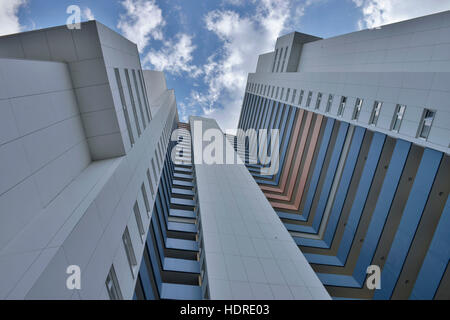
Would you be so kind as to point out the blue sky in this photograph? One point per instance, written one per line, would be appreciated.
(207, 47)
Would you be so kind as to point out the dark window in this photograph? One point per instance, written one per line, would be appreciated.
(375, 113)
(124, 106)
(342, 106)
(398, 117)
(319, 100)
(357, 111)
(425, 125)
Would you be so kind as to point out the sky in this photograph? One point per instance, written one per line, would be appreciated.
(207, 47)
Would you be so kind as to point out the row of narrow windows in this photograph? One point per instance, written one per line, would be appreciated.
(279, 54)
(136, 88)
(423, 131)
(111, 282)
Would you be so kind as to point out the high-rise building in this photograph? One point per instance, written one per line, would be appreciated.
(100, 197)
(364, 167)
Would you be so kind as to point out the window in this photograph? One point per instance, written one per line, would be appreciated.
(308, 100)
(154, 172)
(274, 60)
(136, 88)
(425, 124)
(144, 195)
(157, 160)
(124, 106)
(137, 215)
(294, 93)
(276, 94)
(273, 90)
(282, 93)
(357, 111)
(279, 60)
(329, 103)
(287, 94)
(398, 117)
(284, 59)
(112, 285)
(375, 113)
(160, 151)
(133, 104)
(141, 78)
(300, 98)
(150, 182)
(342, 106)
(129, 250)
(319, 100)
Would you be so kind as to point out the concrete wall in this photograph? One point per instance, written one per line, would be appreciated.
(411, 46)
(91, 53)
(264, 62)
(43, 149)
(67, 186)
(156, 84)
(404, 63)
(249, 253)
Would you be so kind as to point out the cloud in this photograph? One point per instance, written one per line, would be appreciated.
(142, 22)
(234, 2)
(243, 38)
(380, 12)
(9, 21)
(175, 56)
(87, 14)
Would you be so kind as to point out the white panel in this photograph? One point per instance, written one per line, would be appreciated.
(14, 165)
(8, 128)
(17, 207)
(33, 112)
(100, 123)
(85, 234)
(88, 73)
(86, 41)
(52, 282)
(35, 45)
(11, 47)
(61, 44)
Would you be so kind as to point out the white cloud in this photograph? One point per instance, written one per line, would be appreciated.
(234, 2)
(142, 21)
(175, 56)
(380, 12)
(9, 21)
(87, 14)
(243, 37)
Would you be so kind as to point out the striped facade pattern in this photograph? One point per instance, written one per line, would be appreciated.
(351, 197)
(170, 267)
